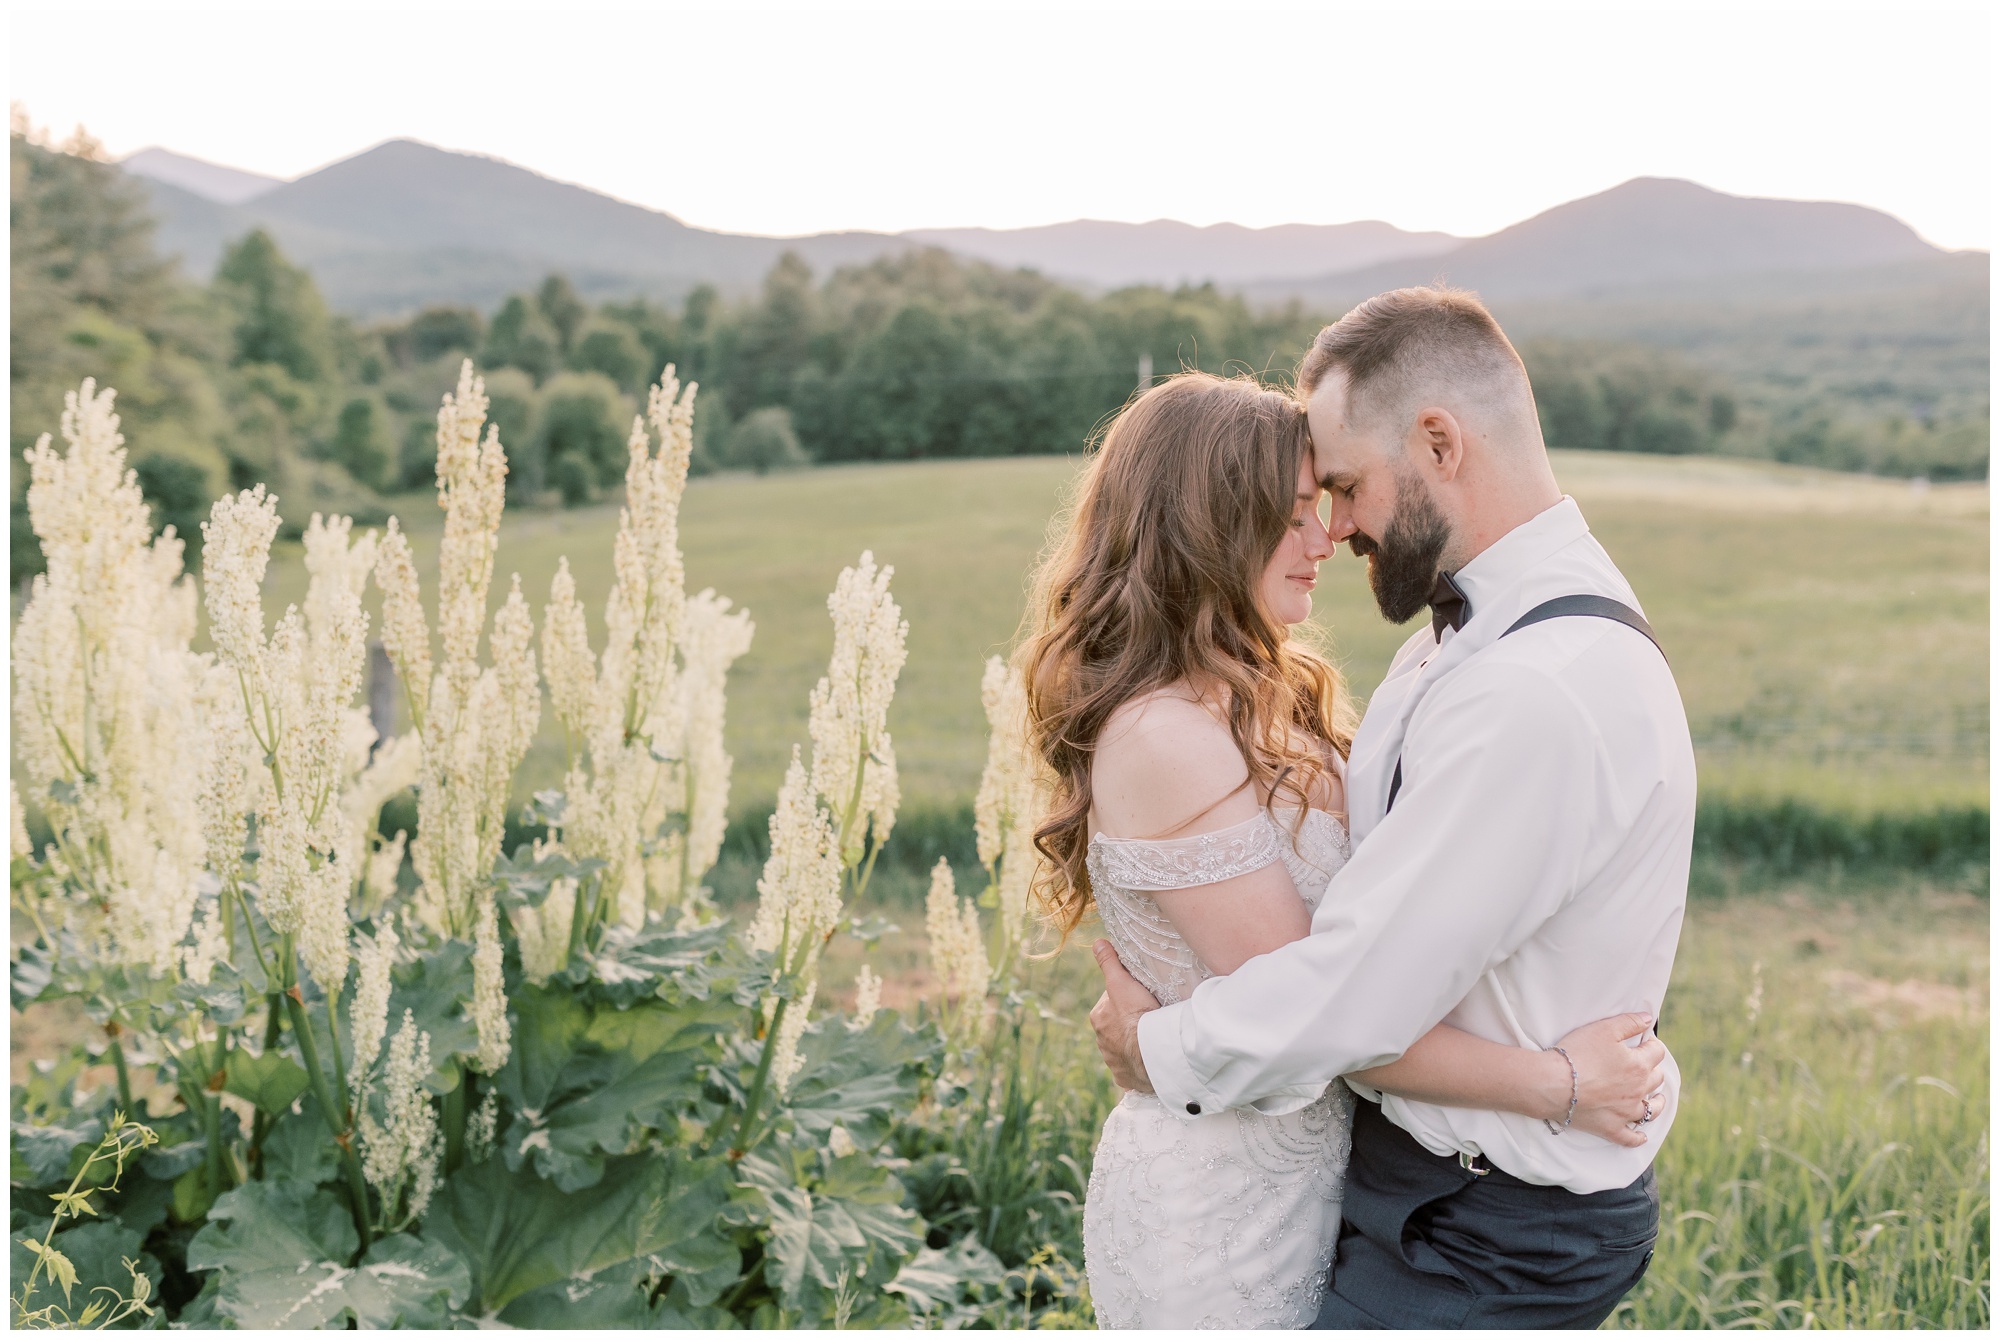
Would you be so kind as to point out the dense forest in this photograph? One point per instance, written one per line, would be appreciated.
(250, 377)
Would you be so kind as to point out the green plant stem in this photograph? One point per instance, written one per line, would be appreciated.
(256, 941)
(854, 797)
(211, 1120)
(737, 1148)
(339, 1064)
(124, 1074)
(343, 1136)
(260, 1126)
(579, 919)
(867, 871)
(457, 1104)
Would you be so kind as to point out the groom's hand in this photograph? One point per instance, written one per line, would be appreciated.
(1116, 1019)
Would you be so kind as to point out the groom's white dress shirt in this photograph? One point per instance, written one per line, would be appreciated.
(1531, 877)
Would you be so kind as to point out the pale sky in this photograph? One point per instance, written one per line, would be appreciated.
(821, 118)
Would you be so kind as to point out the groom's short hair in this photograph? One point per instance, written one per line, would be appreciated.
(1414, 343)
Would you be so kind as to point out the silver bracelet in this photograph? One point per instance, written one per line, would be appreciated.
(1573, 1086)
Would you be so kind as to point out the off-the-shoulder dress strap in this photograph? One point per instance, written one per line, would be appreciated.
(1151, 865)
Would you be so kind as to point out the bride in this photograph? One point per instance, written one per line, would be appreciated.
(1198, 750)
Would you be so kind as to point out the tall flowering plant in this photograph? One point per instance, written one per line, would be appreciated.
(1012, 798)
(211, 813)
(417, 1079)
(966, 960)
(474, 722)
(645, 795)
(830, 823)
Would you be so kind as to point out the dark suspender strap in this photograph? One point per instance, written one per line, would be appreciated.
(1592, 607)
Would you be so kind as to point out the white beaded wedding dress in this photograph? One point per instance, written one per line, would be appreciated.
(1226, 1220)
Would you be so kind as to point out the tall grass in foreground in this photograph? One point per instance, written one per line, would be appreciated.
(1828, 1167)
(1829, 1164)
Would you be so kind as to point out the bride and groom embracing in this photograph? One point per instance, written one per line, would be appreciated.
(1380, 996)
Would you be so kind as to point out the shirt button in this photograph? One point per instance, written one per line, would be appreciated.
(1194, 1109)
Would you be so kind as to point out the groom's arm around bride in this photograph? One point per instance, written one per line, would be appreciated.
(1521, 796)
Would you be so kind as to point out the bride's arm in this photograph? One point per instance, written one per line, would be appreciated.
(1456, 1069)
(1166, 768)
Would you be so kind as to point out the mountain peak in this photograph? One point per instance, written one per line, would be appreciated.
(1653, 230)
(211, 181)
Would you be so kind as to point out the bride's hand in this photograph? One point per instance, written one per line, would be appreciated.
(1616, 1085)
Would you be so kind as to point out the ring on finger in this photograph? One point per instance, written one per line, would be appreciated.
(1650, 1113)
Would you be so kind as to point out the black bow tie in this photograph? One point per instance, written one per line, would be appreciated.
(1449, 607)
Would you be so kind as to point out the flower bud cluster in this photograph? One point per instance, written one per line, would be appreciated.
(401, 1154)
(687, 727)
(1011, 799)
(644, 719)
(106, 725)
(475, 722)
(867, 998)
(798, 905)
(854, 760)
(958, 947)
(370, 1014)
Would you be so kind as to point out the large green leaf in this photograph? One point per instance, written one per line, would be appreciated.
(657, 959)
(299, 1150)
(522, 880)
(224, 998)
(848, 1229)
(548, 1024)
(860, 1079)
(43, 1155)
(589, 1085)
(519, 1232)
(434, 990)
(142, 1202)
(404, 1281)
(949, 1284)
(272, 1081)
(615, 1299)
(281, 1252)
(97, 1252)
(178, 1150)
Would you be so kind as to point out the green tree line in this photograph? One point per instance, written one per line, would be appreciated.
(250, 378)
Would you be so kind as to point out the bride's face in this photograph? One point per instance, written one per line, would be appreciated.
(1293, 571)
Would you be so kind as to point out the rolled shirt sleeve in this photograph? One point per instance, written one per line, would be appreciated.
(1489, 836)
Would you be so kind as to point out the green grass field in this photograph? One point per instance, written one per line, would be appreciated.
(1829, 1165)
(1829, 632)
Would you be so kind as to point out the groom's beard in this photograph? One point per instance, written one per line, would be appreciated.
(1403, 564)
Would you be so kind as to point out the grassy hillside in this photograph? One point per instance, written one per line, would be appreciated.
(1829, 631)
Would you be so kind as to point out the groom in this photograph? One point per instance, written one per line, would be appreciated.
(1521, 794)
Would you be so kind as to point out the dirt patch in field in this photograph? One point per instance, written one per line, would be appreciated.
(1909, 998)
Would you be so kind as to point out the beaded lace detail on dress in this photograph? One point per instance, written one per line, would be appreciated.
(1124, 870)
(1227, 1219)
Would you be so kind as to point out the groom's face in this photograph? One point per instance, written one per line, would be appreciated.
(1382, 507)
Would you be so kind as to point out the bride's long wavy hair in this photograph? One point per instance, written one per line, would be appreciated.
(1155, 583)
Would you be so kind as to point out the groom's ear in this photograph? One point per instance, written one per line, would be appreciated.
(1440, 442)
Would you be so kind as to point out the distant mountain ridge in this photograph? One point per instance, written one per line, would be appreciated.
(405, 224)
(1643, 233)
(213, 181)
(1101, 254)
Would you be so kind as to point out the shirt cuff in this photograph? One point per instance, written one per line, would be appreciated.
(1176, 1085)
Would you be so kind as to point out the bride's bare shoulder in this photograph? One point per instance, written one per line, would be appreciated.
(1163, 762)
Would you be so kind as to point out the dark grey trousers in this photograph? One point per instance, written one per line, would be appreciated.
(1426, 1243)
